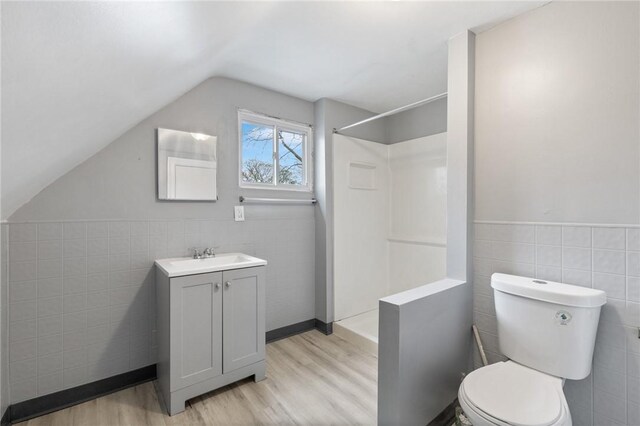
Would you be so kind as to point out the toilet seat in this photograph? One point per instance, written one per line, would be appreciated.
(474, 414)
(507, 393)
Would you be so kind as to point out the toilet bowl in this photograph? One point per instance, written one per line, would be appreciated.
(507, 394)
(547, 330)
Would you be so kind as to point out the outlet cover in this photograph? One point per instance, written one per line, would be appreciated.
(238, 213)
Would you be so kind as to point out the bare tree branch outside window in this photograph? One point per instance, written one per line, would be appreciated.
(258, 156)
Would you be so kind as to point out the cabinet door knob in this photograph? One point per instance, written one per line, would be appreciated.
(217, 286)
(228, 284)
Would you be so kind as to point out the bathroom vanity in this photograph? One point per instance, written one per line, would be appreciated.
(211, 324)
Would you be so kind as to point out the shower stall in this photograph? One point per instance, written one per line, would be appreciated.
(389, 226)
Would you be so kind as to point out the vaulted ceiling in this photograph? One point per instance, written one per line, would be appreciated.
(76, 75)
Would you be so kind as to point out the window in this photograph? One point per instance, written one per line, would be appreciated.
(274, 154)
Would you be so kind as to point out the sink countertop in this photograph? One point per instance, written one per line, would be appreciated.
(180, 266)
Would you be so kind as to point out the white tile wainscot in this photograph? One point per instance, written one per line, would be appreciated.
(600, 256)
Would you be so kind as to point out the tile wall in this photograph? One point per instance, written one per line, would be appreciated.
(82, 296)
(606, 258)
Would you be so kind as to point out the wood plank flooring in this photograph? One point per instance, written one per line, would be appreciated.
(311, 379)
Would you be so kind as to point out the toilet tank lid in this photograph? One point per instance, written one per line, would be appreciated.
(548, 291)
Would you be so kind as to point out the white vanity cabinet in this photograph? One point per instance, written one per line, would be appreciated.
(210, 331)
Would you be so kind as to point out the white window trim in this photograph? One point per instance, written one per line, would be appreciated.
(252, 117)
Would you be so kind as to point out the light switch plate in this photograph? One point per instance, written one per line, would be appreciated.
(238, 213)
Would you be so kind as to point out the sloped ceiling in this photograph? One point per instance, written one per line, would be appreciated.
(76, 75)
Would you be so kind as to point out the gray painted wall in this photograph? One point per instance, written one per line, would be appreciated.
(82, 299)
(423, 351)
(330, 114)
(558, 143)
(4, 321)
(4, 346)
(338, 114)
(460, 156)
(322, 248)
(557, 115)
(429, 119)
(119, 182)
(81, 282)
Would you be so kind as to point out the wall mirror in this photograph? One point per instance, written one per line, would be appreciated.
(187, 166)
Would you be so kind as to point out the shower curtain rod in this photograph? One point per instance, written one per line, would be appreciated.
(393, 111)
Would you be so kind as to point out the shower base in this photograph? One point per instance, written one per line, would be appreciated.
(361, 330)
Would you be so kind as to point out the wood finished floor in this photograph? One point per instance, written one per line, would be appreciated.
(312, 379)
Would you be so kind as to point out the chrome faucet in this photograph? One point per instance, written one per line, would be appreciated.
(197, 254)
(208, 252)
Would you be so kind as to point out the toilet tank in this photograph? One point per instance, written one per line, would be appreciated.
(547, 326)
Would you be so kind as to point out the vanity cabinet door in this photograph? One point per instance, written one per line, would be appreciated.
(244, 328)
(196, 328)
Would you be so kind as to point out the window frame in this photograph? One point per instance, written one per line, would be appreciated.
(277, 123)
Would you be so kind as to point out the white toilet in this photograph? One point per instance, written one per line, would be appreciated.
(548, 332)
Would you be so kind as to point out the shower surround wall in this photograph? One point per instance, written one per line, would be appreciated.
(80, 254)
(330, 114)
(417, 212)
(558, 179)
(361, 225)
(389, 219)
(429, 119)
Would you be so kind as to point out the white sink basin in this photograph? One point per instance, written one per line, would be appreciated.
(179, 266)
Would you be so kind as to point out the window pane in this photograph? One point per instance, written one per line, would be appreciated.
(257, 153)
(291, 152)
